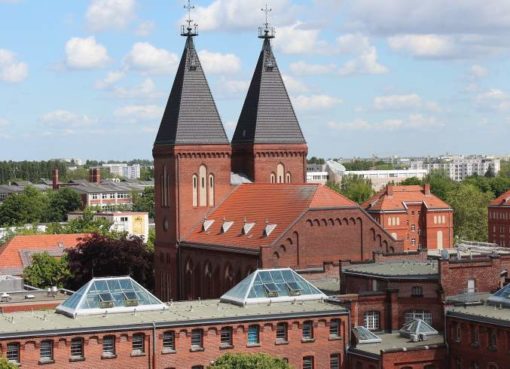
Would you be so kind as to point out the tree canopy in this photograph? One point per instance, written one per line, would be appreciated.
(100, 256)
(4, 364)
(47, 271)
(144, 201)
(354, 187)
(249, 361)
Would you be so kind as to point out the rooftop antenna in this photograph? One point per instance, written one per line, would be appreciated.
(191, 29)
(267, 31)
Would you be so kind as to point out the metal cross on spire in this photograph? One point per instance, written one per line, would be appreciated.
(190, 30)
(266, 31)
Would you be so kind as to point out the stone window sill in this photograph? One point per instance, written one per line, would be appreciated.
(108, 356)
(46, 361)
(253, 345)
(137, 353)
(281, 342)
(307, 340)
(335, 338)
(196, 349)
(225, 346)
(168, 351)
(73, 359)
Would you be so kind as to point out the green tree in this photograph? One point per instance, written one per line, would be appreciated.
(249, 361)
(490, 172)
(411, 181)
(355, 188)
(46, 271)
(440, 183)
(62, 202)
(470, 211)
(144, 201)
(28, 206)
(99, 256)
(4, 364)
(84, 224)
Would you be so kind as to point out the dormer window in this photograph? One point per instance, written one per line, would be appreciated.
(268, 229)
(248, 227)
(207, 224)
(226, 226)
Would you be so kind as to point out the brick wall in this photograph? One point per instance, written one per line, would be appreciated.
(499, 225)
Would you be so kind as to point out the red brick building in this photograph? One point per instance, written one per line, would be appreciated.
(413, 214)
(114, 323)
(224, 209)
(499, 220)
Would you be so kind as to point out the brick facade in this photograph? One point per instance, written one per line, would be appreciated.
(499, 220)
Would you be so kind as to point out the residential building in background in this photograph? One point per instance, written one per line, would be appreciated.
(413, 214)
(459, 167)
(499, 220)
(16, 254)
(124, 170)
(134, 223)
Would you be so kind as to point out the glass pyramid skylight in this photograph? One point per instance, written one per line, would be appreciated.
(273, 285)
(500, 298)
(110, 295)
(364, 335)
(417, 328)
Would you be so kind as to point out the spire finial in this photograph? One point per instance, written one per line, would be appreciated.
(266, 32)
(189, 30)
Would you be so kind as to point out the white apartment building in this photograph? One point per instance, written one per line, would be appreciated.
(459, 168)
(124, 170)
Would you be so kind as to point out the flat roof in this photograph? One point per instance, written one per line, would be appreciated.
(178, 314)
(481, 313)
(30, 297)
(391, 342)
(396, 269)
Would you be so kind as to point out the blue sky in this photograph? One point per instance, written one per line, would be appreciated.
(90, 78)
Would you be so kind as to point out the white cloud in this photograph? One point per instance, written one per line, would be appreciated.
(477, 71)
(4, 122)
(218, 63)
(302, 68)
(134, 113)
(145, 90)
(64, 118)
(413, 121)
(106, 14)
(234, 87)
(298, 39)
(240, 14)
(85, 53)
(493, 99)
(404, 102)
(430, 46)
(11, 69)
(315, 102)
(149, 59)
(145, 28)
(365, 61)
(293, 85)
(110, 79)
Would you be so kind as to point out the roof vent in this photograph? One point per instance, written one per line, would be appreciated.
(207, 224)
(248, 227)
(268, 229)
(226, 226)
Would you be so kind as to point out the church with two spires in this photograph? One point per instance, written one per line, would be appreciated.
(225, 208)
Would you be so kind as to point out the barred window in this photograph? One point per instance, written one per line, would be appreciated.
(334, 361)
(77, 348)
(13, 352)
(281, 332)
(417, 291)
(308, 330)
(197, 339)
(308, 362)
(334, 328)
(253, 335)
(226, 336)
(46, 350)
(138, 344)
(109, 346)
(169, 341)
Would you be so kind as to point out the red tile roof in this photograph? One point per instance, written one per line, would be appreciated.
(395, 198)
(11, 253)
(262, 204)
(502, 200)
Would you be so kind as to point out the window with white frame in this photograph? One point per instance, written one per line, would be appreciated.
(371, 320)
(418, 314)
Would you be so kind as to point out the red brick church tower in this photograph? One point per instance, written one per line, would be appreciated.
(191, 164)
(268, 145)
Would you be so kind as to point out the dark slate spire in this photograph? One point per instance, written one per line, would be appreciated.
(267, 116)
(191, 116)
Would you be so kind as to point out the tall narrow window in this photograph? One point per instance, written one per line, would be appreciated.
(13, 352)
(308, 330)
(371, 320)
(169, 341)
(288, 178)
(165, 187)
(197, 339)
(253, 335)
(195, 190)
(211, 190)
(440, 240)
(280, 172)
(334, 361)
(308, 362)
(77, 348)
(334, 328)
(202, 174)
(273, 178)
(281, 332)
(46, 351)
(109, 346)
(138, 344)
(226, 337)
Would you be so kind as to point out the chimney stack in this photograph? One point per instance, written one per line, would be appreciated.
(389, 190)
(94, 175)
(426, 189)
(54, 179)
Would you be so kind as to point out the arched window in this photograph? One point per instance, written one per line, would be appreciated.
(273, 178)
(202, 174)
(280, 170)
(211, 190)
(195, 190)
(440, 240)
(372, 320)
(288, 177)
